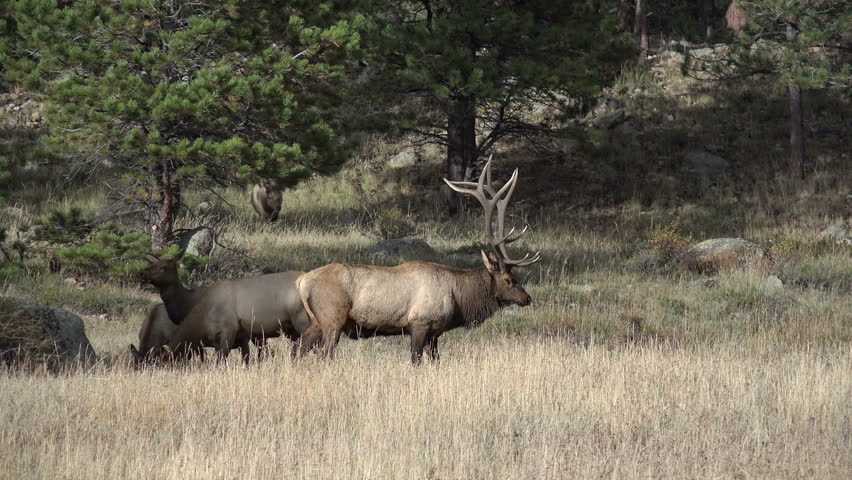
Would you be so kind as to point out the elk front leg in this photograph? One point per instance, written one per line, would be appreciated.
(223, 348)
(433, 347)
(260, 344)
(198, 349)
(244, 351)
(418, 341)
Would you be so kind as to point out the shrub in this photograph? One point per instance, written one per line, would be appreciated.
(110, 254)
(62, 227)
(391, 223)
(667, 241)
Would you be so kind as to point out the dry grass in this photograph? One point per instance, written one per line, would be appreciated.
(493, 408)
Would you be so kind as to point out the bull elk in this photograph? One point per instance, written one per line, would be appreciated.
(266, 199)
(225, 315)
(420, 299)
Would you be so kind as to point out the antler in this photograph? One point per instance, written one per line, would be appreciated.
(489, 198)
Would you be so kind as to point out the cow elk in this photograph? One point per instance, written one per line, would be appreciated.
(420, 299)
(266, 199)
(228, 314)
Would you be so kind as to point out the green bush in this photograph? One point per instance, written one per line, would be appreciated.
(391, 223)
(110, 254)
(62, 227)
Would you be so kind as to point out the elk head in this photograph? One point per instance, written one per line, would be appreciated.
(498, 263)
(161, 273)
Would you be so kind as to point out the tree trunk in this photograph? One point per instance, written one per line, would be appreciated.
(707, 7)
(640, 30)
(637, 19)
(461, 146)
(166, 205)
(797, 139)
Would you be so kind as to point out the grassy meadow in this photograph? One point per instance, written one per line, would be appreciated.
(616, 370)
(621, 367)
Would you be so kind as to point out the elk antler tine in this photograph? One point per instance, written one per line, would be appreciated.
(510, 185)
(517, 237)
(457, 186)
(502, 239)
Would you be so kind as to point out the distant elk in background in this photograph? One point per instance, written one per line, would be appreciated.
(736, 17)
(266, 199)
(420, 299)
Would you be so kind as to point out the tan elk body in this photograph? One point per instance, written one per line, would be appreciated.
(420, 299)
(266, 199)
(229, 313)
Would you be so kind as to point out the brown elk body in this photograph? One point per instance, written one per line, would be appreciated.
(419, 299)
(229, 314)
(266, 199)
(155, 335)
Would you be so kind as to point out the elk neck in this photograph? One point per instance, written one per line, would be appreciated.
(474, 295)
(178, 301)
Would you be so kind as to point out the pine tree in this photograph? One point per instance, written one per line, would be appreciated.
(171, 93)
(805, 44)
(464, 73)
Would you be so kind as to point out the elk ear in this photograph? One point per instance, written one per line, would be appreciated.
(151, 258)
(490, 261)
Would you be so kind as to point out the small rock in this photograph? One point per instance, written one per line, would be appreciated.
(824, 159)
(70, 281)
(604, 104)
(511, 311)
(704, 162)
(705, 282)
(669, 117)
(402, 160)
(701, 52)
(204, 206)
(672, 58)
(837, 234)
(611, 120)
(774, 283)
(199, 241)
(585, 289)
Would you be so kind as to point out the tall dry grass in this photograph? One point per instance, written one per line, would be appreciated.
(496, 407)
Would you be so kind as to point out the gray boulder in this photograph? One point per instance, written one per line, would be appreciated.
(719, 253)
(837, 234)
(705, 163)
(465, 260)
(611, 120)
(404, 249)
(403, 160)
(39, 333)
(199, 241)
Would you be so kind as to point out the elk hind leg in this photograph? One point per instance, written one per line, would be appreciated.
(328, 313)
